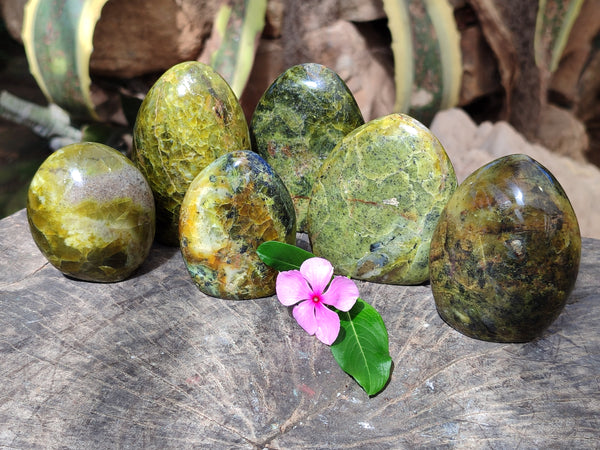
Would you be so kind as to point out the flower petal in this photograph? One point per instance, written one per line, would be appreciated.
(318, 272)
(342, 293)
(291, 287)
(328, 324)
(304, 313)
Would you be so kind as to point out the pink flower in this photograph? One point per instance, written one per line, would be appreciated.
(308, 287)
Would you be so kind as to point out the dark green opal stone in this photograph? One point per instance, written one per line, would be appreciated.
(91, 212)
(298, 121)
(505, 254)
(377, 199)
(188, 119)
(235, 204)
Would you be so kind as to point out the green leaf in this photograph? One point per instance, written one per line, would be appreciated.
(58, 38)
(427, 56)
(237, 28)
(362, 347)
(281, 256)
(553, 26)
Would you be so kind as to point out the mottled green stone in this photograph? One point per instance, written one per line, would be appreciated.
(235, 204)
(91, 212)
(505, 254)
(300, 118)
(188, 119)
(377, 199)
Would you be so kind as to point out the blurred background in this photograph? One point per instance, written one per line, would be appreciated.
(532, 66)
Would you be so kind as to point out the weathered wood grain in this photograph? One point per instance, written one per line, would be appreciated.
(152, 362)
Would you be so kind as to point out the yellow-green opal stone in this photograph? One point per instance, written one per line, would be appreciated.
(235, 204)
(91, 212)
(300, 118)
(505, 254)
(377, 199)
(188, 119)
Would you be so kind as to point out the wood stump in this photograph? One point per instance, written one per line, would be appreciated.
(152, 362)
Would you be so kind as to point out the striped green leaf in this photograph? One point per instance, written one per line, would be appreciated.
(554, 22)
(427, 57)
(238, 25)
(57, 35)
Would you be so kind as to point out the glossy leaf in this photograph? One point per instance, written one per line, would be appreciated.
(281, 256)
(362, 347)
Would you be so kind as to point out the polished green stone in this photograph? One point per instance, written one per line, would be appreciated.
(235, 204)
(377, 199)
(91, 212)
(189, 118)
(505, 254)
(298, 121)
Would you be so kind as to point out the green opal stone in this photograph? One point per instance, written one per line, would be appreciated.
(377, 199)
(505, 254)
(91, 212)
(298, 121)
(235, 204)
(188, 119)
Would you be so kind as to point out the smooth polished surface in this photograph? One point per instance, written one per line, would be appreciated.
(91, 212)
(188, 119)
(235, 204)
(377, 199)
(300, 118)
(506, 251)
(152, 362)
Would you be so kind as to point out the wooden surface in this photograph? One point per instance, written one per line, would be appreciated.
(151, 362)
